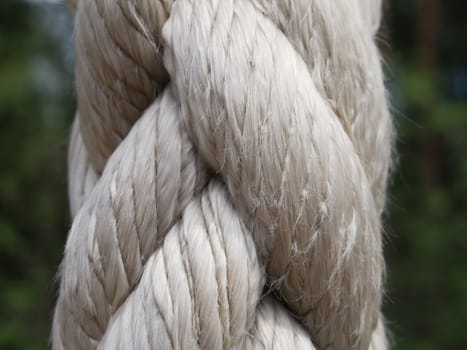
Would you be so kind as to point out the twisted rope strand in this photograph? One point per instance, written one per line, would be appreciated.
(222, 149)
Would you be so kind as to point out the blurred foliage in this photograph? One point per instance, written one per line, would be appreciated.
(426, 247)
(36, 106)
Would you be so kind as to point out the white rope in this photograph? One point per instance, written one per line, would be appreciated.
(228, 169)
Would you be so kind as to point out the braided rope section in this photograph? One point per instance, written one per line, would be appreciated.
(227, 176)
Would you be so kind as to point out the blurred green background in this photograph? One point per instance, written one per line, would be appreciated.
(424, 44)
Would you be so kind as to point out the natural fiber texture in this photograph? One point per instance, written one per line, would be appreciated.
(228, 168)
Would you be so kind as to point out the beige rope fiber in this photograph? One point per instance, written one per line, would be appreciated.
(228, 168)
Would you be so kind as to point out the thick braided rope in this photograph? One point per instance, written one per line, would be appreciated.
(228, 169)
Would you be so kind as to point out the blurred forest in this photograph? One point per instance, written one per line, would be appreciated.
(424, 44)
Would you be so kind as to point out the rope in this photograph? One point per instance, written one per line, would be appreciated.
(227, 175)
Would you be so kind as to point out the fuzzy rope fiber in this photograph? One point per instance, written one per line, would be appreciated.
(227, 175)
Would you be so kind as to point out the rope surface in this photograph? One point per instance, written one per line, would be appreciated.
(227, 175)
